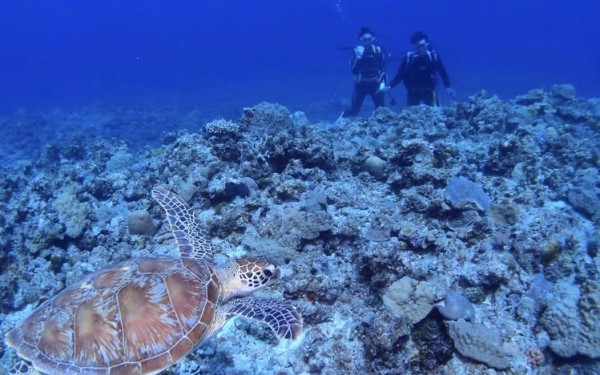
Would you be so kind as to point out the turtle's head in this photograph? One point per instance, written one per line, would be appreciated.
(246, 275)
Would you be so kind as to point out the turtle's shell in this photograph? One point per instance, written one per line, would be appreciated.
(137, 317)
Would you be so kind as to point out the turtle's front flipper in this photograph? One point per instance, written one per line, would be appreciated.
(23, 368)
(283, 318)
(187, 229)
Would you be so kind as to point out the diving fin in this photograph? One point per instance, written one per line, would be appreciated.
(339, 118)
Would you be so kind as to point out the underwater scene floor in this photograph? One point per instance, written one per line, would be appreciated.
(461, 239)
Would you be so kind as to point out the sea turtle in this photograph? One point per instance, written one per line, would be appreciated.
(143, 315)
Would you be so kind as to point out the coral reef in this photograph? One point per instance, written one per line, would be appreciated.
(367, 250)
(456, 306)
(480, 343)
(572, 319)
(462, 193)
(140, 222)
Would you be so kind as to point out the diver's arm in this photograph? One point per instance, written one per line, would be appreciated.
(400, 75)
(386, 55)
(443, 73)
(445, 79)
(354, 62)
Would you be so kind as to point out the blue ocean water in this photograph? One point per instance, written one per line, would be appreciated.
(387, 227)
(224, 55)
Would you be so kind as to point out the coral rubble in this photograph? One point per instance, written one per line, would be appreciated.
(491, 206)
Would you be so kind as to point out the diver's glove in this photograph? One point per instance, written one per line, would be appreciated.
(450, 92)
(383, 89)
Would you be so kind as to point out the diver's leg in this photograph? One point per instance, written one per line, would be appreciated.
(436, 98)
(428, 97)
(358, 96)
(412, 97)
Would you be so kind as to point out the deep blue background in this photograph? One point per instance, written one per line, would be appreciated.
(234, 53)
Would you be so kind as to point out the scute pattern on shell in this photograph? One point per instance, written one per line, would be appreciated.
(137, 317)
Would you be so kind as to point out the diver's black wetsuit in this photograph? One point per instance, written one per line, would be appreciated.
(418, 71)
(368, 67)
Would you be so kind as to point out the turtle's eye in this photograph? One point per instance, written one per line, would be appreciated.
(269, 271)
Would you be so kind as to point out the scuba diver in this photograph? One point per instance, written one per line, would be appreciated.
(368, 68)
(419, 71)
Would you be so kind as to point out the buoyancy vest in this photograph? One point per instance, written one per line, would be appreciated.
(368, 62)
(421, 69)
